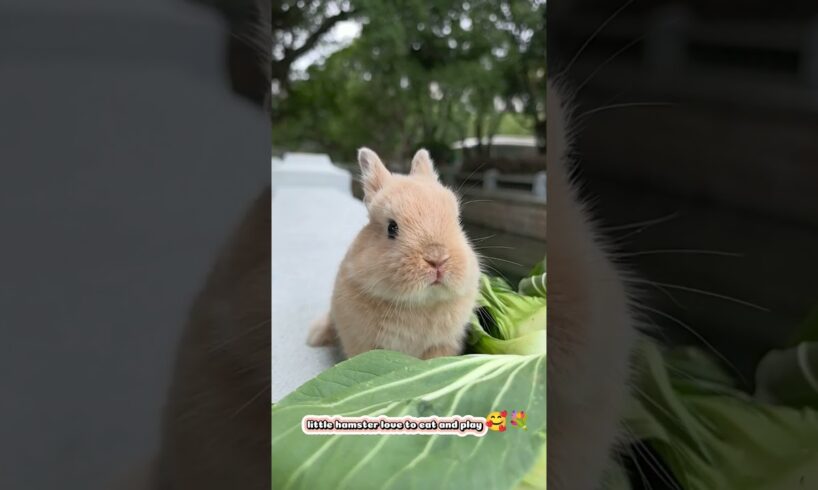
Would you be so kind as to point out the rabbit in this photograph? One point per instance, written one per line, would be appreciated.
(222, 372)
(410, 279)
(592, 327)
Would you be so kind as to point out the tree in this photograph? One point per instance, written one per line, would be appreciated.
(298, 27)
(420, 73)
(527, 78)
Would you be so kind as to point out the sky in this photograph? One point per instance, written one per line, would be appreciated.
(338, 38)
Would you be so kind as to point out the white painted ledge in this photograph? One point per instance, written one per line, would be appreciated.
(309, 170)
(314, 219)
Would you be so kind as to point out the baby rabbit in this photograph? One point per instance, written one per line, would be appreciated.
(409, 280)
(591, 329)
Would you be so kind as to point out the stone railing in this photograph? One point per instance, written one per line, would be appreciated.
(492, 180)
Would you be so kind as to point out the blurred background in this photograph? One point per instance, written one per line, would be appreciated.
(697, 142)
(464, 79)
(127, 161)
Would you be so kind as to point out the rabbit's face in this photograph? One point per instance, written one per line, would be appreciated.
(414, 249)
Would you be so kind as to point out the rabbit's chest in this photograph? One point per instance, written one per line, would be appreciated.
(416, 330)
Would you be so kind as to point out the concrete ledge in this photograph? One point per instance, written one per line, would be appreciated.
(311, 170)
(313, 221)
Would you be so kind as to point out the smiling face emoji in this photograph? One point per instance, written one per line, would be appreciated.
(496, 421)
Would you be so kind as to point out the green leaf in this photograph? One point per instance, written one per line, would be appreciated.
(789, 376)
(695, 371)
(533, 286)
(332, 381)
(513, 315)
(660, 412)
(719, 438)
(755, 446)
(386, 383)
(538, 269)
(531, 343)
(537, 477)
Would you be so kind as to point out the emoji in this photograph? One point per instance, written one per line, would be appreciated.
(497, 421)
(518, 419)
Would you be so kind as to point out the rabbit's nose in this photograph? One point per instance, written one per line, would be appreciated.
(436, 263)
(436, 256)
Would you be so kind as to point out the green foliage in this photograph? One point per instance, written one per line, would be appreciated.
(536, 478)
(534, 284)
(789, 376)
(508, 322)
(712, 435)
(421, 74)
(298, 26)
(513, 125)
(392, 384)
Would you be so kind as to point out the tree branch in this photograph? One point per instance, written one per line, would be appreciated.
(290, 55)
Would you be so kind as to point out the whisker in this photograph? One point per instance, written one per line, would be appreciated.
(494, 270)
(702, 292)
(246, 331)
(469, 188)
(642, 476)
(680, 251)
(658, 468)
(254, 398)
(604, 63)
(593, 36)
(623, 105)
(501, 260)
(657, 331)
(469, 177)
(669, 295)
(476, 200)
(699, 336)
(650, 222)
(681, 373)
(654, 463)
(670, 415)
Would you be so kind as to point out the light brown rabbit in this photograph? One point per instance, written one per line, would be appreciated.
(409, 280)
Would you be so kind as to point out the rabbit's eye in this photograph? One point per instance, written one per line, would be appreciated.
(392, 229)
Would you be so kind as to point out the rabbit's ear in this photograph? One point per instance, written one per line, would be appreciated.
(373, 173)
(422, 164)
